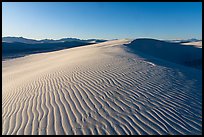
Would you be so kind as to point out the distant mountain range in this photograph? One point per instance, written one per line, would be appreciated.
(13, 47)
(33, 41)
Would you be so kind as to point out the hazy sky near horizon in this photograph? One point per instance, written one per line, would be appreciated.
(105, 20)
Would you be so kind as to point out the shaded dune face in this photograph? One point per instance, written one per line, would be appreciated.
(99, 89)
(16, 49)
(173, 52)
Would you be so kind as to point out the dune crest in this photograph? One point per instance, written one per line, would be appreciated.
(99, 89)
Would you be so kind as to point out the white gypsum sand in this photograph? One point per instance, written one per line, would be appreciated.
(196, 44)
(99, 89)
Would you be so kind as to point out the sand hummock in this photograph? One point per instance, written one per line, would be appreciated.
(197, 44)
(99, 89)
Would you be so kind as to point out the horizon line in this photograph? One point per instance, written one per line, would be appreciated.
(98, 38)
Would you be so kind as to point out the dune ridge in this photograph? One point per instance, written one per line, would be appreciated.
(190, 56)
(99, 89)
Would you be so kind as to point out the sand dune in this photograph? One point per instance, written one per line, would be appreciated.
(172, 52)
(99, 89)
(196, 44)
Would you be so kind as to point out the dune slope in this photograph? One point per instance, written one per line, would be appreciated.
(99, 89)
(173, 52)
(196, 44)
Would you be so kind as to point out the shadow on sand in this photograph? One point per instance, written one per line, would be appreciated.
(14, 50)
(159, 52)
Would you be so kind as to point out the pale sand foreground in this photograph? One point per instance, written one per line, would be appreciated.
(99, 89)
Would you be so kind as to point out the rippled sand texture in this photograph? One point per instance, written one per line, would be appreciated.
(99, 89)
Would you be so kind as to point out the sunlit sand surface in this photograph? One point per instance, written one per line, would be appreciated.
(99, 89)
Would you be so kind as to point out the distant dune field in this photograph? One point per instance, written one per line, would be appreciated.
(196, 44)
(100, 89)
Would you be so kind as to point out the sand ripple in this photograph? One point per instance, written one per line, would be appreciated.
(98, 89)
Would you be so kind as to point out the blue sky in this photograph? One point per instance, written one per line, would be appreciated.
(105, 20)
